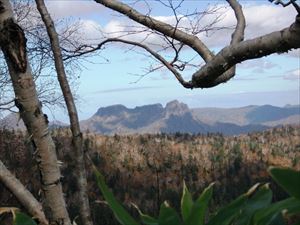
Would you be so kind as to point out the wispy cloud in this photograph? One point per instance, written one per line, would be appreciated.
(294, 53)
(258, 65)
(292, 75)
(65, 8)
(115, 90)
(240, 99)
(244, 79)
(261, 19)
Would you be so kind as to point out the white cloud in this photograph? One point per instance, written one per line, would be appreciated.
(114, 28)
(90, 30)
(228, 100)
(64, 8)
(292, 75)
(258, 65)
(294, 53)
(261, 19)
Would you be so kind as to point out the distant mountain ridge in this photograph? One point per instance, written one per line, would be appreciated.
(14, 122)
(266, 115)
(178, 117)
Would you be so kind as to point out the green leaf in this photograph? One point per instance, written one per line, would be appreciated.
(23, 219)
(278, 220)
(146, 219)
(288, 179)
(261, 199)
(168, 216)
(297, 222)
(120, 213)
(197, 215)
(269, 214)
(226, 215)
(186, 203)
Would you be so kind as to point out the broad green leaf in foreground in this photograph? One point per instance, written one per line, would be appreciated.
(120, 213)
(168, 215)
(23, 219)
(269, 214)
(261, 199)
(186, 203)
(197, 215)
(227, 214)
(146, 219)
(288, 179)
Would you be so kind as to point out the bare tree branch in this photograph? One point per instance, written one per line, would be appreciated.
(164, 28)
(219, 68)
(77, 140)
(276, 42)
(22, 194)
(237, 36)
(293, 2)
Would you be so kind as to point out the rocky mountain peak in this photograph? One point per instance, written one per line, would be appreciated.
(148, 108)
(111, 110)
(176, 108)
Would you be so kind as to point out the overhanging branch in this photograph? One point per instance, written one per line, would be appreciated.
(157, 56)
(293, 2)
(276, 42)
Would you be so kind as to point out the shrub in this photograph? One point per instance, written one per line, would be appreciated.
(252, 208)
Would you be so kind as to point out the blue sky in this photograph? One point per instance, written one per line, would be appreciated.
(270, 80)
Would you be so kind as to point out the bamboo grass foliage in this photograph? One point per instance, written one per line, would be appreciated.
(19, 218)
(252, 208)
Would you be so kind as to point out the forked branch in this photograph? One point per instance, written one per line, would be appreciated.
(221, 67)
(293, 2)
(190, 40)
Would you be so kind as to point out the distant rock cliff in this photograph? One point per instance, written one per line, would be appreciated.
(177, 117)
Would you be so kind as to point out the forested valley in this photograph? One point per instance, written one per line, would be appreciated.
(149, 169)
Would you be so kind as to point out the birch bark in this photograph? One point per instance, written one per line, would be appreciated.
(77, 142)
(13, 46)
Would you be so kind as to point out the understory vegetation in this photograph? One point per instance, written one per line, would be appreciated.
(149, 169)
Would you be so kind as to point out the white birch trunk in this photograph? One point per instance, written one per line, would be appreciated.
(13, 45)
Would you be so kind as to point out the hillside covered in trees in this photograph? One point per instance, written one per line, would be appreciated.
(148, 169)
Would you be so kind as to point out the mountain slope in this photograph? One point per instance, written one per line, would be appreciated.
(266, 115)
(174, 117)
(13, 122)
(177, 117)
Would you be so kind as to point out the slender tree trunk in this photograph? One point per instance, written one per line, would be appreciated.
(13, 45)
(74, 121)
(33, 207)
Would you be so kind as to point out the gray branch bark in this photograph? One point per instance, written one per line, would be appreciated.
(276, 42)
(13, 45)
(164, 28)
(221, 67)
(72, 111)
(22, 194)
